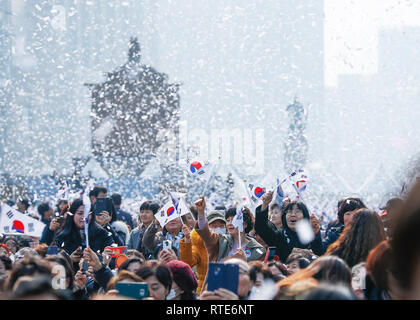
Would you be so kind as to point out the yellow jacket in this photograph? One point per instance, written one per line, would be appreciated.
(195, 254)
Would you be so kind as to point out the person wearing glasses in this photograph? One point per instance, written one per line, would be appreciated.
(287, 238)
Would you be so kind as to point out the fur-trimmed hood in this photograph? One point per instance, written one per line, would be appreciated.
(121, 227)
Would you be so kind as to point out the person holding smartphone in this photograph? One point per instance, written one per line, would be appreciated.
(55, 226)
(73, 235)
(105, 215)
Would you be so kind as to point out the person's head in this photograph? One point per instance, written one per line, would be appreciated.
(332, 269)
(294, 212)
(41, 249)
(296, 262)
(29, 266)
(380, 269)
(184, 281)
(25, 252)
(292, 288)
(174, 226)
(6, 265)
(131, 264)
(100, 192)
(305, 253)
(23, 205)
(61, 267)
(194, 212)
(278, 269)
(347, 208)
(37, 287)
(364, 232)
(247, 218)
(406, 244)
(259, 272)
(148, 209)
(245, 284)
(12, 244)
(116, 199)
(158, 277)
(217, 221)
(390, 211)
(61, 204)
(4, 250)
(77, 211)
(92, 197)
(45, 211)
(124, 276)
(276, 215)
(188, 219)
(133, 253)
(330, 291)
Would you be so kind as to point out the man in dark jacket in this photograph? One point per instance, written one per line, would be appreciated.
(121, 214)
(286, 238)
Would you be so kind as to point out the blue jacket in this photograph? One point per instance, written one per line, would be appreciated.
(125, 217)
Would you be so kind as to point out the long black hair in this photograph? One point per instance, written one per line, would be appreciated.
(70, 226)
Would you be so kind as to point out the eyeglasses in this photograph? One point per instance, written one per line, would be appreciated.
(296, 213)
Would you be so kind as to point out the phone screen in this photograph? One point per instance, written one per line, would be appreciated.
(272, 253)
(52, 250)
(100, 206)
(222, 275)
(136, 290)
(85, 267)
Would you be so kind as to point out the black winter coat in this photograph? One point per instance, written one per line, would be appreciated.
(284, 239)
(332, 235)
(70, 239)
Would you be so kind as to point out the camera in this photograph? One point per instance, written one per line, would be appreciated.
(60, 219)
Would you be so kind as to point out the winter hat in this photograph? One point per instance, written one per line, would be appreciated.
(183, 275)
(215, 215)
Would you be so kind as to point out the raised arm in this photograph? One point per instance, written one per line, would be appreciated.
(262, 228)
(210, 238)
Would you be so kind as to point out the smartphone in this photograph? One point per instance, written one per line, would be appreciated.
(222, 275)
(272, 253)
(60, 219)
(166, 244)
(85, 267)
(52, 250)
(116, 251)
(100, 206)
(136, 290)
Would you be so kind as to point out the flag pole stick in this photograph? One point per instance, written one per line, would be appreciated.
(205, 186)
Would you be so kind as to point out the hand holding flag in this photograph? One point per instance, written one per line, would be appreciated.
(166, 213)
(238, 219)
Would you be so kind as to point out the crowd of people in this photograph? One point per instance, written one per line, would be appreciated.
(361, 255)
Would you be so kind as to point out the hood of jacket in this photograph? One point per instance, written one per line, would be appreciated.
(121, 227)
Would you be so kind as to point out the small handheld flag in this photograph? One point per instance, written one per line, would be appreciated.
(238, 222)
